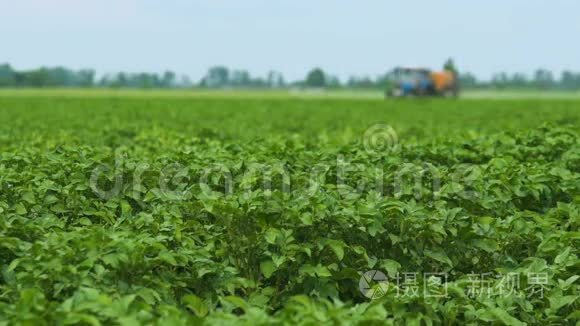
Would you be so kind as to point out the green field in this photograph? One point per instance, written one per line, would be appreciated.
(176, 207)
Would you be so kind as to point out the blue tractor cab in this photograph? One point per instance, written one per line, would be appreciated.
(410, 81)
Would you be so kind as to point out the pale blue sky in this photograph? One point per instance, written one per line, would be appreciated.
(343, 37)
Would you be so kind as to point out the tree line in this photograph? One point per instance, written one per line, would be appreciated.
(64, 77)
(224, 77)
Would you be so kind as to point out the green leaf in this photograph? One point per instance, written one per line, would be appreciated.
(564, 285)
(337, 247)
(306, 218)
(391, 266)
(318, 270)
(29, 197)
(557, 302)
(271, 235)
(561, 258)
(267, 268)
(487, 245)
(196, 305)
(237, 302)
(168, 258)
(129, 321)
(20, 209)
(322, 271)
(85, 221)
(50, 199)
(439, 256)
(505, 317)
(278, 260)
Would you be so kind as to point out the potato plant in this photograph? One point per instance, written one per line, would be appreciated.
(216, 210)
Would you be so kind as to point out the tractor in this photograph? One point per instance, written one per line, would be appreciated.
(421, 82)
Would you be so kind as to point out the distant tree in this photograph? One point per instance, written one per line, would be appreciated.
(333, 82)
(468, 80)
(104, 81)
(145, 80)
(168, 79)
(315, 78)
(217, 76)
(384, 81)
(220, 76)
(6, 75)
(450, 66)
(275, 79)
(121, 80)
(46, 77)
(270, 80)
(570, 80)
(360, 82)
(543, 79)
(519, 80)
(185, 82)
(258, 82)
(85, 78)
(34, 78)
(240, 78)
(279, 80)
(500, 80)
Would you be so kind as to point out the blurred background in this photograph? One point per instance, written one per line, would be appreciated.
(255, 44)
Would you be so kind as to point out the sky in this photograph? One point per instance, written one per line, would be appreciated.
(363, 37)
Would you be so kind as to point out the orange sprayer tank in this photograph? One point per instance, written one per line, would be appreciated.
(442, 80)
